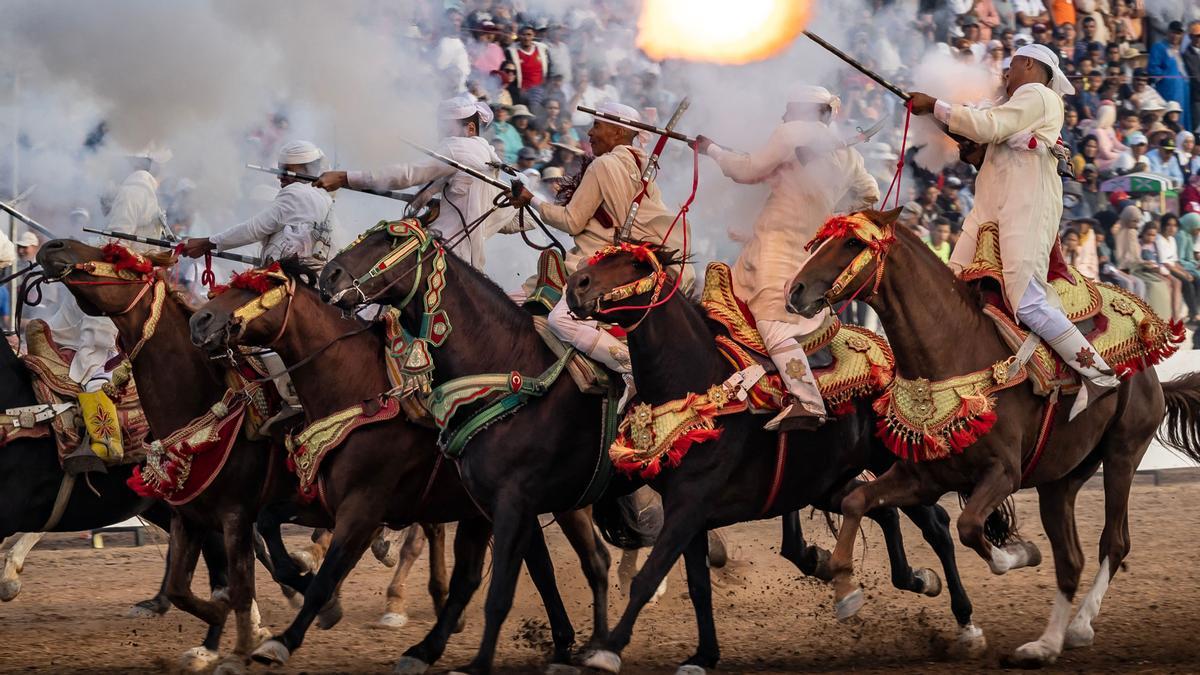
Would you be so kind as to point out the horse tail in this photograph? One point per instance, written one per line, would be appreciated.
(1000, 527)
(630, 521)
(1181, 426)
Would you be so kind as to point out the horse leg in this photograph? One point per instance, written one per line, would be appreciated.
(595, 559)
(286, 570)
(309, 558)
(695, 561)
(470, 547)
(1119, 469)
(934, 523)
(186, 542)
(924, 581)
(356, 524)
(394, 615)
(988, 494)
(1056, 501)
(14, 564)
(812, 561)
(383, 547)
(439, 583)
(541, 572)
(160, 515)
(239, 548)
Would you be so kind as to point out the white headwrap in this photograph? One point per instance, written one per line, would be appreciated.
(155, 153)
(810, 93)
(463, 106)
(1041, 53)
(628, 112)
(299, 152)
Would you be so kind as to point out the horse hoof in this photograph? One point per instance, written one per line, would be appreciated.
(658, 592)
(931, 582)
(971, 643)
(1079, 636)
(408, 665)
(330, 616)
(603, 660)
(294, 598)
(308, 564)
(271, 653)
(561, 669)
(220, 595)
(9, 589)
(1033, 555)
(849, 605)
(148, 609)
(822, 570)
(392, 621)
(197, 659)
(384, 552)
(1033, 655)
(690, 669)
(1014, 556)
(230, 666)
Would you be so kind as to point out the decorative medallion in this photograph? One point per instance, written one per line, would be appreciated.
(796, 369)
(858, 343)
(515, 381)
(641, 429)
(1123, 306)
(1086, 358)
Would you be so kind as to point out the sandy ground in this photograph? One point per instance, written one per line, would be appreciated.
(69, 617)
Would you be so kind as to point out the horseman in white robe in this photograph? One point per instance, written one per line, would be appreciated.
(464, 199)
(1019, 189)
(812, 175)
(299, 222)
(135, 208)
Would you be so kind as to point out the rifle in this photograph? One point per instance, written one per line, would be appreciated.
(29, 222)
(390, 194)
(163, 243)
(649, 173)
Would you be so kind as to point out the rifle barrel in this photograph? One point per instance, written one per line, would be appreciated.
(30, 222)
(658, 131)
(398, 196)
(858, 66)
(163, 243)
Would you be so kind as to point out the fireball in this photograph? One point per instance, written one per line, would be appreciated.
(720, 31)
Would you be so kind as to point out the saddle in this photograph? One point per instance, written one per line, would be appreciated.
(1123, 329)
(50, 366)
(850, 362)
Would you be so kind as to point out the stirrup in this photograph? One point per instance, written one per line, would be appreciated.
(1091, 392)
(795, 417)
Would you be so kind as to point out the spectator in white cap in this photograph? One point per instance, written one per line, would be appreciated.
(299, 222)
(464, 199)
(1134, 158)
(27, 247)
(595, 211)
(1019, 189)
(812, 175)
(135, 208)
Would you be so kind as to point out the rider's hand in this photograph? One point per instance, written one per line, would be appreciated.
(520, 196)
(196, 247)
(922, 104)
(332, 180)
(703, 143)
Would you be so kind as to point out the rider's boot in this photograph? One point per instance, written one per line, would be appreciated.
(1098, 377)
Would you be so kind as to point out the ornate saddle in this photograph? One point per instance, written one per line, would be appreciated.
(50, 364)
(1123, 329)
(850, 362)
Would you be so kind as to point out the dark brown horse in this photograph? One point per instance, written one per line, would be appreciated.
(389, 472)
(178, 383)
(937, 330)
(728, 480)
(541, 459)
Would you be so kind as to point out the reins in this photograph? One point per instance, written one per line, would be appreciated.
(110, 275)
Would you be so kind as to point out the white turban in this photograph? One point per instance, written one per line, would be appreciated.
(463, 106)
(816, 95)
(155, 153)
(1041, 53)
(628, 112)
(300, 152)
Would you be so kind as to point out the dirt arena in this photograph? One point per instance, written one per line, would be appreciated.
(69, 616)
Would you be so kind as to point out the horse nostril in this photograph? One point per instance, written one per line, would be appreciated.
(202, 319)
(583, 281)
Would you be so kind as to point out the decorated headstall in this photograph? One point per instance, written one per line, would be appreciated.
(120, 266)
(877, 242)
(273, 288)
(410, 240)
(655, 281)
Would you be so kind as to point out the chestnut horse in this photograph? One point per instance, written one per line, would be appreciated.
(728, 480)
(177, 384)
(388, 472)
(938, 330)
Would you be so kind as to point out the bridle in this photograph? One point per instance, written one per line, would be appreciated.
(654, 282)
(112, 273)
(265, 302)
(878, 240)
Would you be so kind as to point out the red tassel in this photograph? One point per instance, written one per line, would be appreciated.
(258, 281)
(124, 259)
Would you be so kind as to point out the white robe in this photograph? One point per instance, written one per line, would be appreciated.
(461, 194)
(834, 179)
(1018, 188)
(94, 339)
(300, 221)
(135, 208)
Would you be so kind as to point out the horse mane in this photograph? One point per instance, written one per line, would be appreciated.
(970, 292)
(124, 258)
(305, 270)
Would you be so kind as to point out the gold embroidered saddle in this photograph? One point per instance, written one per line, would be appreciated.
(850, 362)
(1123, 329)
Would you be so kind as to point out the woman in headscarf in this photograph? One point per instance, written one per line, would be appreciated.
(1185, 240)
(1126, 234)
(1185, 152)
(1109, 149)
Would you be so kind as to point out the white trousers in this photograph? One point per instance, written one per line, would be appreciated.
(782, 340)
(587, 336)
(1039, 316)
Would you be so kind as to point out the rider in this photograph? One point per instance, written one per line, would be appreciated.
(135, 208)
(299, 222)
(464, 199)
(812, 175)
(1019, 189)
(596, 209)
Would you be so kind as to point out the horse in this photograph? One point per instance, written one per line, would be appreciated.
(32, 481)
(178, 384)
(387, 471)
(735, 477)
(938, 330)
(545, 457)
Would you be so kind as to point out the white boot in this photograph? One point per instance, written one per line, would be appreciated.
(1098, 377)
(807, 410)
(610, 351)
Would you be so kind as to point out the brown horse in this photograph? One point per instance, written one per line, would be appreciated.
(730, 479)
(179, 383)
(938, 330)
(387, 472)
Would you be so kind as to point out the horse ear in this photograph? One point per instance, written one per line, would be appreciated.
(888, 217)
(161, 258)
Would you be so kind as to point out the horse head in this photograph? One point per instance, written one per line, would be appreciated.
(384, 264)
(848, 260)
(619, 279)
(253, 309)
(107, 281)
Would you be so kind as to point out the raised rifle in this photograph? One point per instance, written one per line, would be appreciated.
(163, 243)
(649, 173)
(390, 194)
(29, 222)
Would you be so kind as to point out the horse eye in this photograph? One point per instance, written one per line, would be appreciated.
(856, 244)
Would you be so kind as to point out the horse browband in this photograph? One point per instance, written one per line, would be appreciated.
(107, 270)
(878, 242)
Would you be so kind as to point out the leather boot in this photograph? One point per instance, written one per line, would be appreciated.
(1098, 377)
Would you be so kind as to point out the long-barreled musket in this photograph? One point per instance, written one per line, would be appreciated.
(858, 66)
(30, 222)
(399, 196)
(163, 243)
(649, 173)
(641, 126)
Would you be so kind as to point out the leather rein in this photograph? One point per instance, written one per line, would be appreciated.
(878, 241)
(654, 282)
(111, 276)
